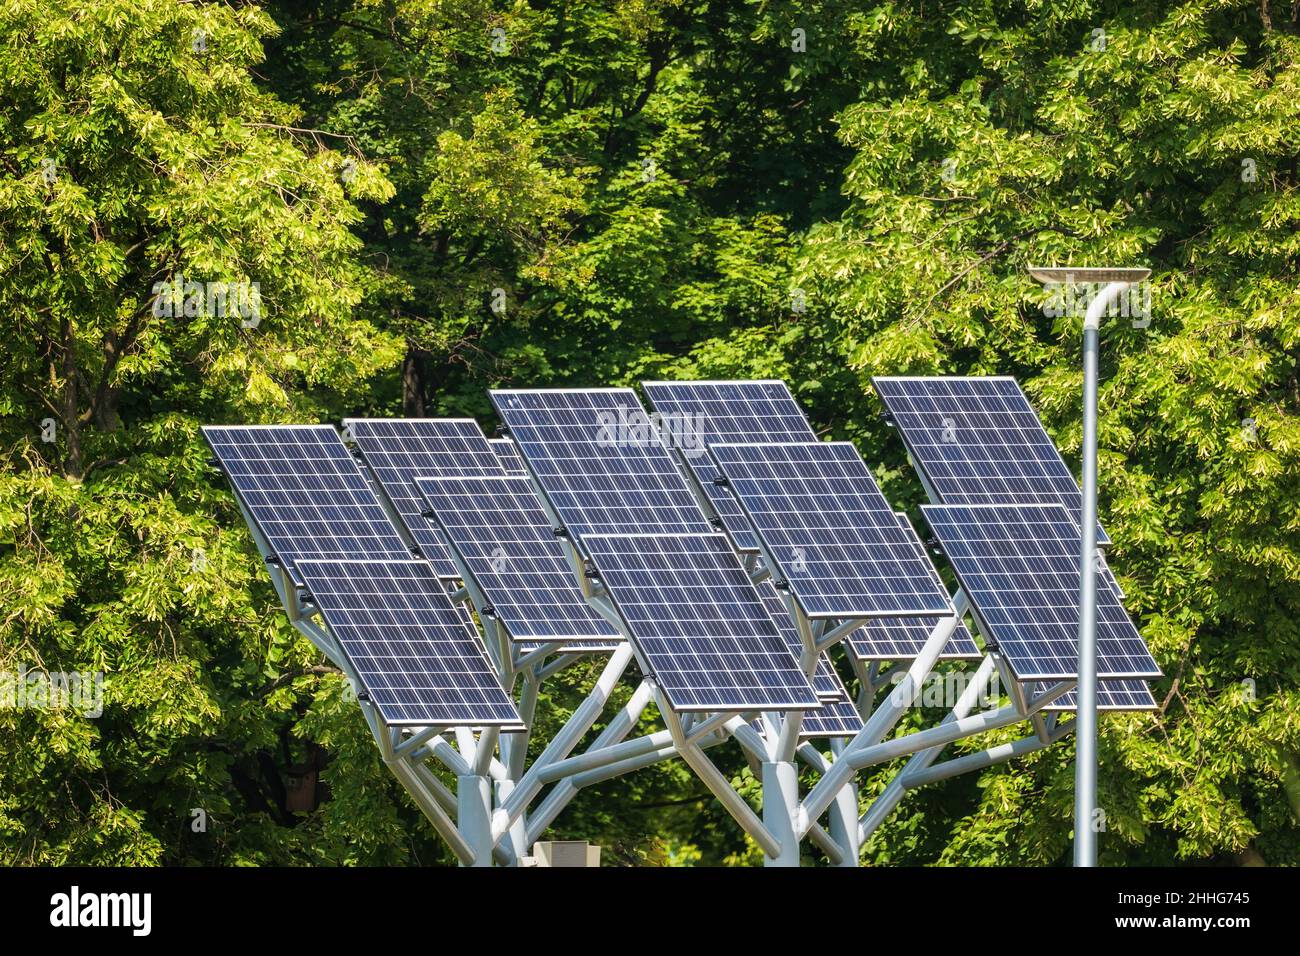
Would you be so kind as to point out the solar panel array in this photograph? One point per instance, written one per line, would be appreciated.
(708, 413)
(978, 441)
(698, 622)
(712, 640)
(829, 532)
(1018, 564)
(600, 461)
(402, 449)
(305, 492)
(495, 524)
(409, 645)
(833, 719)
(903, 638)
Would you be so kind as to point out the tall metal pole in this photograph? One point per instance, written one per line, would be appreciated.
(1085, 763)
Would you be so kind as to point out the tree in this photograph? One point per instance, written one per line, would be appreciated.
(146, 185)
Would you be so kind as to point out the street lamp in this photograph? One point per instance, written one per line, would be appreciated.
(1116, 281)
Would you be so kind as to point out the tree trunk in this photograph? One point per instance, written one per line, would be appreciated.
(73, 463)
(413, 375)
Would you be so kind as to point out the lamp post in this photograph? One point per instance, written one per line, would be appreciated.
(1113, 283)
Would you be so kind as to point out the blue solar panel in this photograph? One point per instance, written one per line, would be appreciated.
(508, 456)
(902, 638)
(832, 719)
(508, 546)
(419, 662)
(1019, 565)
(400, 449)
(599, 461)
(715, 412)
(1112, 695)
(828, 532)
(698, 623)
(305, 492)
(978, 441)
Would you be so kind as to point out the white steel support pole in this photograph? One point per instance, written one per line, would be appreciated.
(844, 817)
(1085, 762)
(717, 783)
(517, 835)
(474, 816)
(563, 742)
(904, 694)
(780, 801)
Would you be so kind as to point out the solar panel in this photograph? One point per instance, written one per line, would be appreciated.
(825, 680)
(599, 461)
(902, 638)
(418, 661)
(978, 441)
(832, 719)
(508, 456)
(508, 546)
(829, 532)
(1112, 695)
(305, 493)
(1019, 565)
(714, 412)
(398, 450)
(698, 623)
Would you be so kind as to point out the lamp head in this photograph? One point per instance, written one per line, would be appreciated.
(1081, 274)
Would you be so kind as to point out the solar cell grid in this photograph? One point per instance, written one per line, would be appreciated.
(508, 456)
(401, 449)
(977, 440)
(1114, 695)
(698, 622)
(715, 412)
(419, 662)
(601, 465)
(829, 532)
(832, 719)
(508, 546)
(901, 638)
(1018, 564)
(305, 493)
